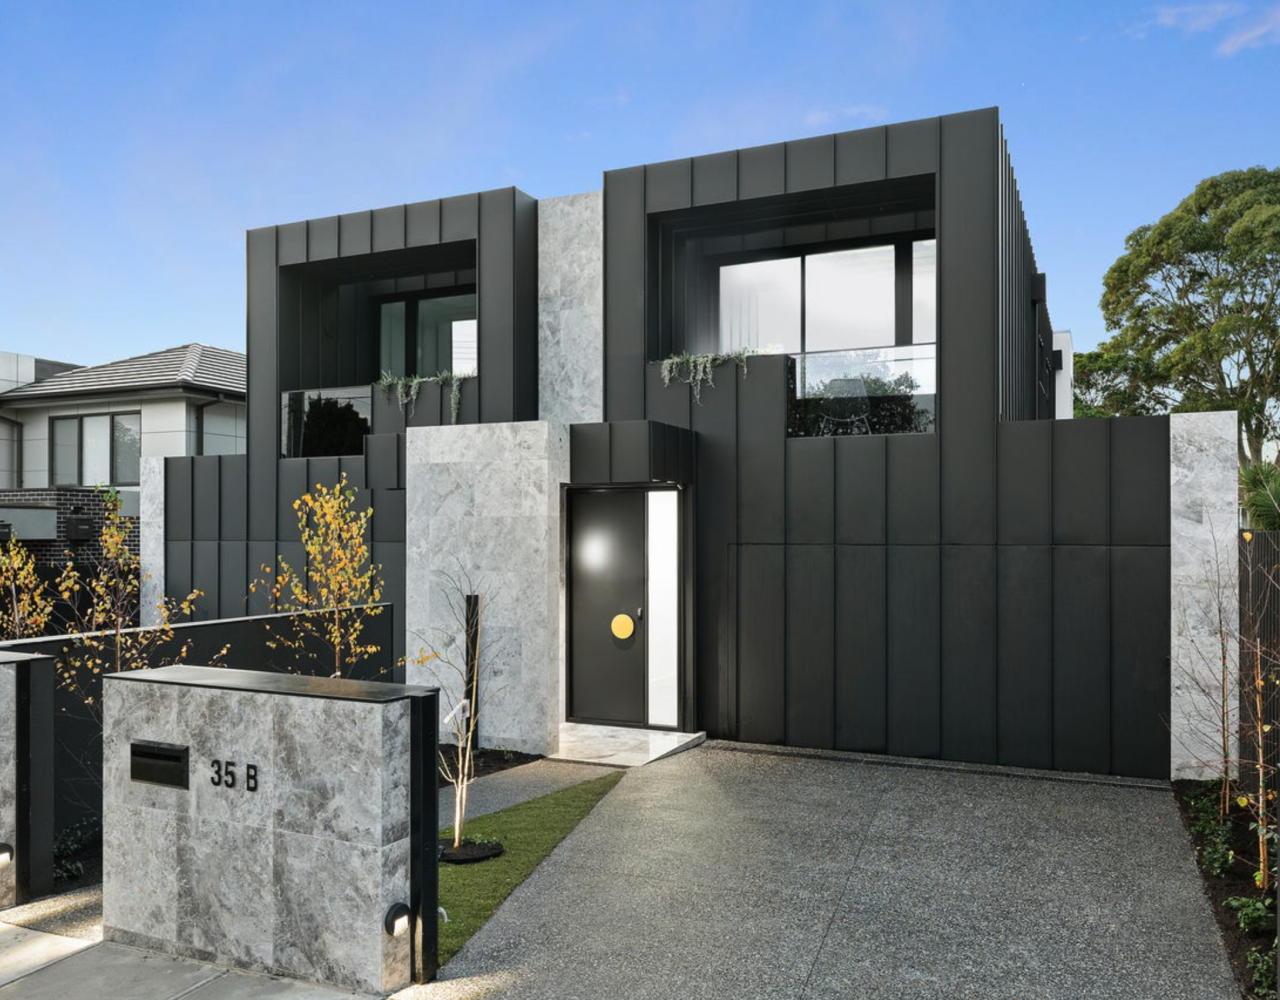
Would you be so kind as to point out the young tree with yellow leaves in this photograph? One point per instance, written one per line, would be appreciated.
(103, 613)
(334, 595)
(25, 604)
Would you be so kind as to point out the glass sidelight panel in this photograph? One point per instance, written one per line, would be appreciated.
(663, 612)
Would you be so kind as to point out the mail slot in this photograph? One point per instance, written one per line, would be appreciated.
(159, 763)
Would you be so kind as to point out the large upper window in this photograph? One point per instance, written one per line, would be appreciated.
(423, 335)
(838, 300)
(98, 450)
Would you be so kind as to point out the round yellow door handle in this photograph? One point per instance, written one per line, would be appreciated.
(622, 626)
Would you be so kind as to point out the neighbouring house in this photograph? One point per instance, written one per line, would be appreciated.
(71, 430)
(869, 534)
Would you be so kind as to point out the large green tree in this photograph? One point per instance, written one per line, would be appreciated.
(1195, 303)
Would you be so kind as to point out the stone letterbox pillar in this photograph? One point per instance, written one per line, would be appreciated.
(272, 822)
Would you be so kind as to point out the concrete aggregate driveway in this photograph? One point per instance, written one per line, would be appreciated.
(726, 873)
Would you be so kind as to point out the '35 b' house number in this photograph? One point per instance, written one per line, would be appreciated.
(225, 775)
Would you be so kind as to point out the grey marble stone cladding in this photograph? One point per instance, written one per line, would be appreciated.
(1203, 522)
(483, 501)
(8, 778)
(151, 537)
(571, 308)
(292, 878)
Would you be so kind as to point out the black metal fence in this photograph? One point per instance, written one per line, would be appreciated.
(250, 644)
(1260, 630)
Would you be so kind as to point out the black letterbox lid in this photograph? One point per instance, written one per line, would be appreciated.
(159, 763)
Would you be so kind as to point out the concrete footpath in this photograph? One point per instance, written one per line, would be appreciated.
(57, 952)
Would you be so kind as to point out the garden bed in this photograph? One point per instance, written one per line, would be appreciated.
(487, 761)
(1223, 860)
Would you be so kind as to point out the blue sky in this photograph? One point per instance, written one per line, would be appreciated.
(139, 140)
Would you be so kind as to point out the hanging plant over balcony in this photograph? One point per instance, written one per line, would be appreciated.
(452, 380)
(405, 388)
(697, 370)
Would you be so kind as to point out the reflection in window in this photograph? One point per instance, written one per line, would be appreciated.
(848, 299)
(126, 447)
(391, 338)
(321, 422)
(839, 300)
(99, 450)
(924, 291)
(760, 306)
(888, 390)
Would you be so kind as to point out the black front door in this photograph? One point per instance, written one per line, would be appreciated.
(606, 607)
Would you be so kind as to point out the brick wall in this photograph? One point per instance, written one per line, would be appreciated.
(53, 552)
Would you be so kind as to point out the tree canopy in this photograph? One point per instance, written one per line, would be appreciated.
(1195, 303)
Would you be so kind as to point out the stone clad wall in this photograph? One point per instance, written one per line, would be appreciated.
(484, 501)
(151, 541)
(293, 878)
(571, 308)
(1203, 557)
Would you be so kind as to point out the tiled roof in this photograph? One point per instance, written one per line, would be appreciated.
(191, 366)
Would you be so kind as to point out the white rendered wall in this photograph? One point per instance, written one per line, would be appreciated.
(484, 500)
(1203, 555)
(571, 308)
(1064, 381)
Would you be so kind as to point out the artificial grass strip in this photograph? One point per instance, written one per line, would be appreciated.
(528, 832)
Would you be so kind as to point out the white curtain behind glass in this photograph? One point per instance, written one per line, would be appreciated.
(760, 306)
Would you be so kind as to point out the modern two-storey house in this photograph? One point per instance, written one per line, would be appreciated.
(870, 533)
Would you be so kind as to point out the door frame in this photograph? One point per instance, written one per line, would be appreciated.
(684, 682)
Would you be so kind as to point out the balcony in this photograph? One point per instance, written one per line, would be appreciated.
(879, 390)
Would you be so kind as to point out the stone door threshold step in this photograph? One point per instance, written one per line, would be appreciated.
(620, 746)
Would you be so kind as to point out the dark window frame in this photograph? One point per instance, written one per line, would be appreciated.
(79, 419)
(903, 276)
(411, 300)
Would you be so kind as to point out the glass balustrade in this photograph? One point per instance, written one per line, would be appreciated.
(879, 390)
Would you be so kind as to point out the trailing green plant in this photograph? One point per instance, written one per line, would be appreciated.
(454, 382)
(1260, 495)
(1261, 962)
(1254, 914)
(697, 370)
(1211, 830)
(403, 387)
(69, 844)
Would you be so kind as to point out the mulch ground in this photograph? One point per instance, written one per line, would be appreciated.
(488, 762)
(1236, 881)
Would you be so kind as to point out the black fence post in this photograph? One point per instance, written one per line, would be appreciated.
(33, 731)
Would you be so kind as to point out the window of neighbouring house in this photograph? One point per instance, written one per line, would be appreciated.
(95, 450)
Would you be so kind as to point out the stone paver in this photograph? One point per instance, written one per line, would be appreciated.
(111, 972)
(720, 873)
(23, 951)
